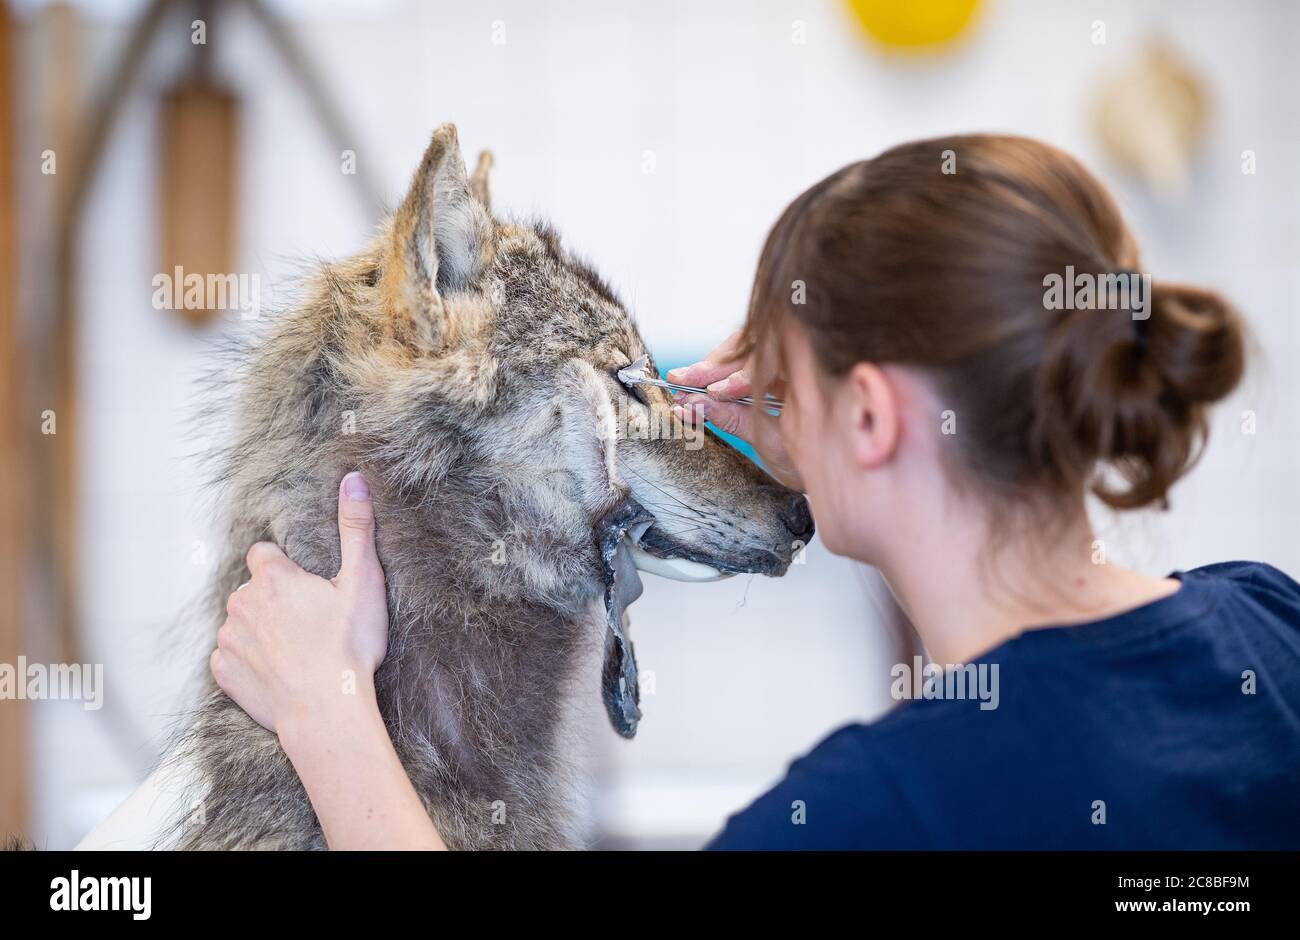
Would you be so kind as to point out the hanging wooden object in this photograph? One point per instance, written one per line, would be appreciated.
(200, 131)
(13, 455)
(56, 481)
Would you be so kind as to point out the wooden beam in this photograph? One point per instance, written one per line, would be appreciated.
(62, 462)
(13, 457)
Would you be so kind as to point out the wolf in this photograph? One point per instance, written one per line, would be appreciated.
(467, 365)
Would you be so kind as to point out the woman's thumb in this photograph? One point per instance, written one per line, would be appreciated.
(356, 527)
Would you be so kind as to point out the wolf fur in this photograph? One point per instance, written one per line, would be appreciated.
(466, 365)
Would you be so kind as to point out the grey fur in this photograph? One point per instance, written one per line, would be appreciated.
(479, 373)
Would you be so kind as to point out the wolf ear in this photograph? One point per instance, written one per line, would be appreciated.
(440, 231)
(478, 183)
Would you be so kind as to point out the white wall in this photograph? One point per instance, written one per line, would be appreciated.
(750, 672)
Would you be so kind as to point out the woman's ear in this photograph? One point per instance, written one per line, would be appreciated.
(872, 410)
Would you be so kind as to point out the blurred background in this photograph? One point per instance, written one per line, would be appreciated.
(662, 139)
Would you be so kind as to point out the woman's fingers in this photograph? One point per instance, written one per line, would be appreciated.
(263, 554)
(218, 665)
(736, 385)
(236, 678)
(741, 421)
(692, 409)
(357, 531)
(732, 418)
(719, 364)
(228, 669)
(726, 416)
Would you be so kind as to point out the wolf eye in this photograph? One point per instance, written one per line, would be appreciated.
(637, 392)
(631, 389)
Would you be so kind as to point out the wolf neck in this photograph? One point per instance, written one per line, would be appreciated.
(489, 662)
(496, 636)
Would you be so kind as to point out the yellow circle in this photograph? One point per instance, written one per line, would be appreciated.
(913, 23)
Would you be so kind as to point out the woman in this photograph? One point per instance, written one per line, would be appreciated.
(947, 413)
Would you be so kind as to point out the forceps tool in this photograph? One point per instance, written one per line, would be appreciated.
(635, 374)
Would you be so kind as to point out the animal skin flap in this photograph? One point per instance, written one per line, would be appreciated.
(622, 587)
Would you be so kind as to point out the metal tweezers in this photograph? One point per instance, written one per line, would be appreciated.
(635, 374)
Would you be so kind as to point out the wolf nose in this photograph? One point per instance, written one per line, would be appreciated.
(797, 517)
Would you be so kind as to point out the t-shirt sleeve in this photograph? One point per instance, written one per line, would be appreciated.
(838, 796)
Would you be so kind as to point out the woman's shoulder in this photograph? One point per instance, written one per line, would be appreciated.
(864, 785)
(1249, 574)
(838, 795)
(897, 782)
(1253, 583)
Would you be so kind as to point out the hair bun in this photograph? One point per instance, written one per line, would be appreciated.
(1197, 342)
(1131, 394)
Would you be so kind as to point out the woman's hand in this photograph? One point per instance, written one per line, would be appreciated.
(724, 375)
(297, 648)
(299, 654)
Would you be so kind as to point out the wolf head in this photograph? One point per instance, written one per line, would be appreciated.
(527, 341)
(477, 361)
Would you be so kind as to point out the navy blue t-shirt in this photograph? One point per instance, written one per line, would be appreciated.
(1175, 725)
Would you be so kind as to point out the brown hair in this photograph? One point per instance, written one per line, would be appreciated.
(901, 262)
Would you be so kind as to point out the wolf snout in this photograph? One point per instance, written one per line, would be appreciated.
(797, 517)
